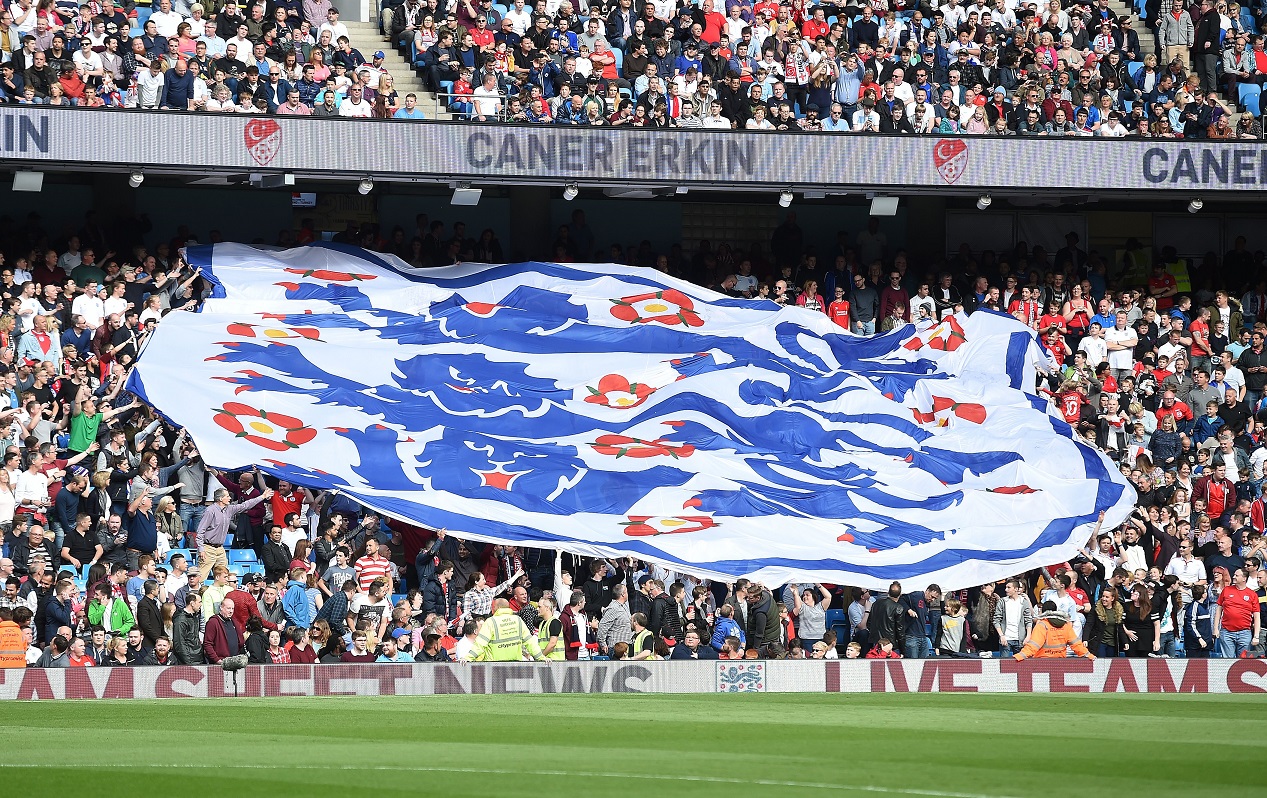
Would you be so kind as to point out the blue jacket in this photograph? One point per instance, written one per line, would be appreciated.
(82, 341)
(1205, 428)
(56, 615)
(308, 90)
(547, 77)
(295, 604)
(727, 627)
(1197, 623)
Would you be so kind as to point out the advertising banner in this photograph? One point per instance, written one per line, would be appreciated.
(206, 143)
(946, 675)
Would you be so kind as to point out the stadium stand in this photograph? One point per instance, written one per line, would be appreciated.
(1000, 68)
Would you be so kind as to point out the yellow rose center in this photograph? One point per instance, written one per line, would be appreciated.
(276, 334)
(261, 427)
(624, 401)
(672, 522)
(655, 307)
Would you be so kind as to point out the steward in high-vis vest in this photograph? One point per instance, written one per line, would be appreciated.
(550, 632)
(1052, 634)
(643, 645)
(504, 637)
(12, 649)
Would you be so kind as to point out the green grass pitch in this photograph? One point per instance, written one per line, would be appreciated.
(943, 746)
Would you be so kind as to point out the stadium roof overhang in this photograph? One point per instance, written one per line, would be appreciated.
(227, 149)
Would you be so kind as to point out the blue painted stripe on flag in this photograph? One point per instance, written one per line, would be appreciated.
(200, 258)
(1017, 347)
(552, 269)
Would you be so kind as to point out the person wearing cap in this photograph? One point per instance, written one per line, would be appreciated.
(690, 57)
(389, 649)
(865, 119)
(504, 637)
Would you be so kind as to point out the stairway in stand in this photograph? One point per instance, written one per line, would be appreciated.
(366, 38)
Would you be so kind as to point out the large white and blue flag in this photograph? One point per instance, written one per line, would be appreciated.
(611, 410)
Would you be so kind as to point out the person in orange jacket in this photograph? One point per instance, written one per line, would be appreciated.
(12, 646)
(1052, 635)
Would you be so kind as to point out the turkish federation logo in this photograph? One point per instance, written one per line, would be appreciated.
(950, 156)
(263, 139)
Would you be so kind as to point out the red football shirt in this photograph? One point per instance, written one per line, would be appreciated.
(1239, 607)
(838, 312)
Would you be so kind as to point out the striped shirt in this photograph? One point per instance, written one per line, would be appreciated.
(370, 568)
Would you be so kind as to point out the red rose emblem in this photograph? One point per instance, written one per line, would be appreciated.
(968, 411)
(275, 333)
(331, 276)
(945, 337)
(950, 157)
(263, 139)
(624, 446)
(273, 431)
(669, 307)
(618, 392)
(648, 525)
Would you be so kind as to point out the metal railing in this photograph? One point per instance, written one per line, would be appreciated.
(445, 101)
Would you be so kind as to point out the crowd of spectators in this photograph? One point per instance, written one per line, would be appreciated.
(1009, 68)
(996, 67)
(121, 547)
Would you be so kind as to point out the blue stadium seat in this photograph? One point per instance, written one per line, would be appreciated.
(1249, 93)
(1247, 19)
(838, 621)
(1253, 104)
(620, 59)
(398, 597)
(241, 556)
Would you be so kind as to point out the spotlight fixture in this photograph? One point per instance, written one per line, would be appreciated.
(463, 194)
(1195, 204)
(28, 181)
(365, 186)
(884, 206)
(984, 201)
(785, 199)
(570, 191)
(136, 179)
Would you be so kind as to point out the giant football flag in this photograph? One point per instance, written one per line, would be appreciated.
(610, 410)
